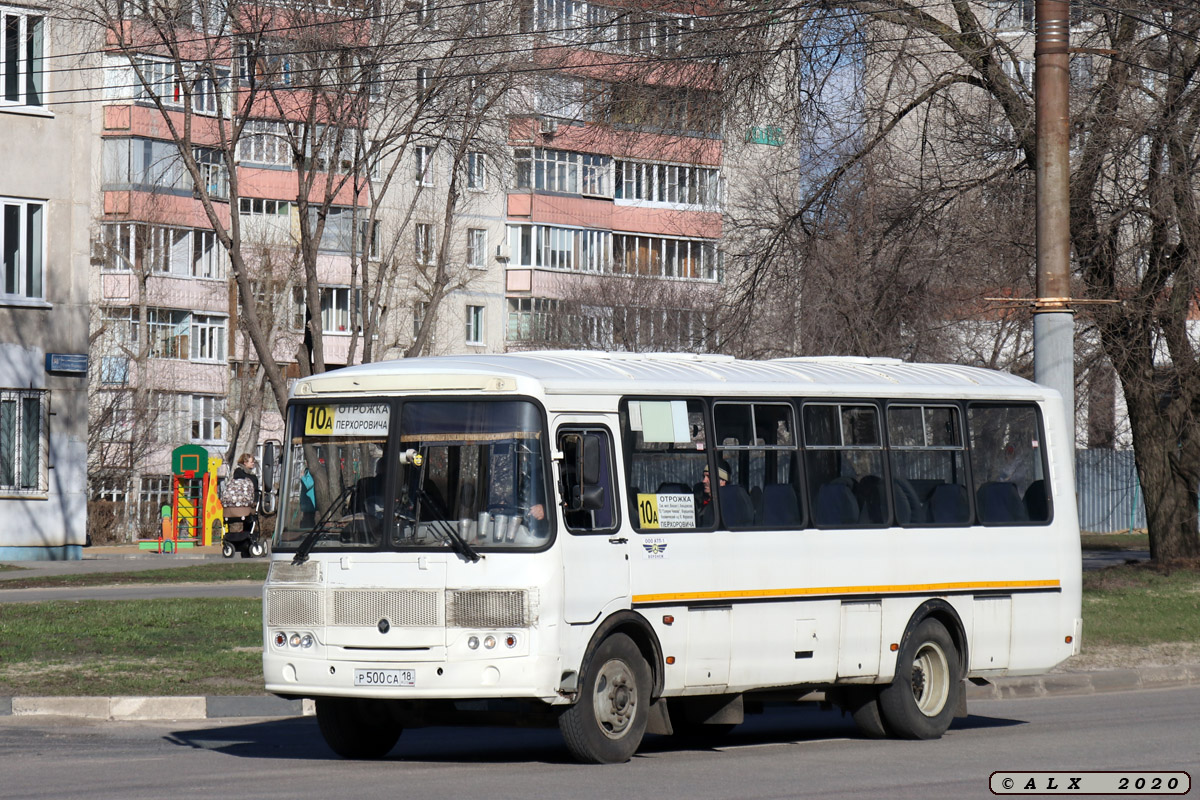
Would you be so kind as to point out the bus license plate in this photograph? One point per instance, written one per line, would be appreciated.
(385, 677)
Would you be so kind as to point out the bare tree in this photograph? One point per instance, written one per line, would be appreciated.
(936, 94)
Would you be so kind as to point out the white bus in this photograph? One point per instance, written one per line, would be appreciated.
(621, 544)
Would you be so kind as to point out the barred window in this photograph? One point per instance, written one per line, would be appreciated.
(23, 440)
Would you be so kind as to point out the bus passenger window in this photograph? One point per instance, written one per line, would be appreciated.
(845, 465)
(929, 477)
(758, 447)
(665, 444)
(1007, 465)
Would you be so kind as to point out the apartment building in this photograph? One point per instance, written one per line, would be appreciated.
(614, 197)
(45, 202)
(542, 193)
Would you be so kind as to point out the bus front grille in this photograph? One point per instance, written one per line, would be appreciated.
(401, 608)
(294, 607)
(487, 608)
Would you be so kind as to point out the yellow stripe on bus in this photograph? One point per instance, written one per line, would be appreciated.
(915, 588)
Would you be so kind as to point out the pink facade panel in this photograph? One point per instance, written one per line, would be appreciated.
(189, 293)
(666, 222)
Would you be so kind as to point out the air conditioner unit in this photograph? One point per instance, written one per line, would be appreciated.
(502, 252)
(548, 127)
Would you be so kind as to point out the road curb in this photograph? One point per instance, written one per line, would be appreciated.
(129, 709)
(1097, 682)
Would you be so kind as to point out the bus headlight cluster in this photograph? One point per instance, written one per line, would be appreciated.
(490, 640)
(299, 641)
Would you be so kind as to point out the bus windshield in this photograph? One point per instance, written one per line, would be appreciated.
(458, 474)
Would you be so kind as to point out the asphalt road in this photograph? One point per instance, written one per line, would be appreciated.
(796, 752)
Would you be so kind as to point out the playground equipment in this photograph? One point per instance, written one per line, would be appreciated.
(196, 516)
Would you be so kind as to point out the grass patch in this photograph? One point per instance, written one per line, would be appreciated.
(149, 647)
(197, 573)
(10, 568)
(1115, 541)
(213, 647)
(1138, 605)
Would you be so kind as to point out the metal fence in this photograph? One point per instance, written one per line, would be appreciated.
(1110, 497)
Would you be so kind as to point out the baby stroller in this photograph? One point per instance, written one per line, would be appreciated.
(241, 520)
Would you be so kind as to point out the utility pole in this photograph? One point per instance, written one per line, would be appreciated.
(1053, 320)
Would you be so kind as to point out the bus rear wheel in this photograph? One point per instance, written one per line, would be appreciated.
(357, 728)
(920, 702)
(606, 724)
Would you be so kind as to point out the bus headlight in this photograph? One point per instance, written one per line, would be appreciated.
(473, 642)
(489, 641)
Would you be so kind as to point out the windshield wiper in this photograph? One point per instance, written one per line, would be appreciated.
(319, 529)
(452, 537)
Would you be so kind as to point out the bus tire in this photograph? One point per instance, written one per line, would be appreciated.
(920, 702)
(357, 728)
(608, 720)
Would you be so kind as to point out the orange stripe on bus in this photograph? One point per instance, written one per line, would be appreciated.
(922, 588)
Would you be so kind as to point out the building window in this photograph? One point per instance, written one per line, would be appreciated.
(338, 308)
(423, 155)
(666, 258)
(674, 184)
(474, 324)
(154, 492)
(476, 177)
(208, 257)
(168, 332)
(208, 338)
(22, 441)
(425, 244)
(265, 143)
(22, 246)
(22, 50)
(208, 423)
(560, 248)
(477, 246)
(421, 12)
(424, 84)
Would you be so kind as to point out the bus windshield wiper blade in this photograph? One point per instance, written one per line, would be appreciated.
(456, 542)
(320, 528)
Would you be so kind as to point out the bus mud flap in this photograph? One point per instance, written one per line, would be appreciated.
(659, 721)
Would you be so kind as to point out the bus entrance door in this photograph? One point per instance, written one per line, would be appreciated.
(595, 555)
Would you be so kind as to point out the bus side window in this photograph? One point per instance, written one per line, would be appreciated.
(589, 520)
(929, 477)
(1007, 466)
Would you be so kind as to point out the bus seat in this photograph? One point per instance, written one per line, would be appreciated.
(999, 502)
(756, 497)
(1037, 505)
(779, 506)
(672, 487)
(737, 509)
(948, 503)
(909, 508)
(872, 502)
(835, 505)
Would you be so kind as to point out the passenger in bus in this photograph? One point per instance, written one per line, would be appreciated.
(705, 515)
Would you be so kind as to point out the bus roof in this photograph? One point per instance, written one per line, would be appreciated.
(594, 372)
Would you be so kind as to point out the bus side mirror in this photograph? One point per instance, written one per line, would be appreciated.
(270, 457)
(581, 472)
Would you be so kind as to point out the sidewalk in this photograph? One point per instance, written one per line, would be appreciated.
(112, 558)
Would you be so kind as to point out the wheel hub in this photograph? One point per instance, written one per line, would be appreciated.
(615, 702)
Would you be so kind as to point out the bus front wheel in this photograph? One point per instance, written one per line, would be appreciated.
(920, 702)
(606, 724)
(357, 728)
